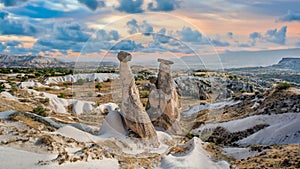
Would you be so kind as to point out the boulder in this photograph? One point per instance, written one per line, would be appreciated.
(132, 110)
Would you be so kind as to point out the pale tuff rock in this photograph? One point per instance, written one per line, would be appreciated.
(163, 106)
(132, 110)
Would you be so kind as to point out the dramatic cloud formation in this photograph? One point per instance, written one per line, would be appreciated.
(3, 14)
(128, 45)
(276, 36)
(71, 32)
(93, 4)
(107, 36)
(64, 36)
(133, 26)
(253, 37)
(161, 36)
(37, 10)
(64, 26)
(272, 35)
(12, 2)
(290, 16)
(144, 28)
(13, 43)
(219, 43)
(189, 35)
(163, 5)
(131, 6)
(11, 26)
(72, 36)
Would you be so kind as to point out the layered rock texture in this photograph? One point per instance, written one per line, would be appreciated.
(163, 106)
(132, 110)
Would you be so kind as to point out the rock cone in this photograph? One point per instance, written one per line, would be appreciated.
(163, 106)
(135, 116)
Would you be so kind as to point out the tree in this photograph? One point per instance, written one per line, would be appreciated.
(98, 86)
(2, 87)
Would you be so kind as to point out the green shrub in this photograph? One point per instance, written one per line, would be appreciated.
(98, 86)
(144, 95)
(2, 87)
(61, 95)
(283, 86)
(40, 110)
(47, 100)
(80, 81)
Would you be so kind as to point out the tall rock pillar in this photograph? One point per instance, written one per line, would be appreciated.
(163, 106)
(135, 116)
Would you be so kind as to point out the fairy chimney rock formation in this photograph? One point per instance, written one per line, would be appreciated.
(132, 110)
(163, 107)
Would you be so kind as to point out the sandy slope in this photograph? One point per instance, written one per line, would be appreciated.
(195, 158)
(283, 129)
(18, 159)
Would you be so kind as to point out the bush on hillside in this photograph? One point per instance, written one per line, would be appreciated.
(283, 86)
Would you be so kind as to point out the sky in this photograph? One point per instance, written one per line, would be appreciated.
(89, 28)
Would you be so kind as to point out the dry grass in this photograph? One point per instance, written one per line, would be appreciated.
(216, 152)
(281, 156)
(29, 122)
(14, 105)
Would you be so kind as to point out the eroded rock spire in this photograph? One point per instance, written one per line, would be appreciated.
(163, 107)
(135, 116)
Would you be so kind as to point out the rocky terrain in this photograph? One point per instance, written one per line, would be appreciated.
(9, 61)
(148, 118)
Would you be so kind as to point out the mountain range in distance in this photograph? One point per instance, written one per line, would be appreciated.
(29, 61)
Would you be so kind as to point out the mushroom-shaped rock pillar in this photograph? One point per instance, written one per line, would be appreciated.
(132, 110)
(163, 107)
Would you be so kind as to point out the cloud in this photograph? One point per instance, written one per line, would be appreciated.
(133, 26)
(130, 6)
(290, 16)
(78, 38)
(255, 35)
(272, 35)
(63, 37)
(189, 35)
(161, 36)
(13, 43)
(92, 4)
(37, 10)
(107, 36)
(128, 45)
(230, 35)
(12, 2)
(3, 14)
(164, 5)
(2, 47)
(11, 26)
(298, 43)
(71, 32)
(276, 36)
(145, 28)
(253, 38)
(219, 43)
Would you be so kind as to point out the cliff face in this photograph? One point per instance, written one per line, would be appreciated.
(289, 63)
(11, 61)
